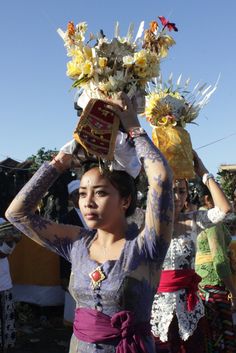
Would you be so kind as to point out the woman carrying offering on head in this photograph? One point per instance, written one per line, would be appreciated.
(115, 266)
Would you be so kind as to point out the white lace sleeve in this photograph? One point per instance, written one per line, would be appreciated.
(205, 218)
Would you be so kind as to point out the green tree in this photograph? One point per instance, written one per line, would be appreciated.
(227, 181)
(41, 156)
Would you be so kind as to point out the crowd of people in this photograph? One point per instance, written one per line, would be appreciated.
(164, 286)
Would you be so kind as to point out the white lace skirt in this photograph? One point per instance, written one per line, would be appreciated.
(165, 306)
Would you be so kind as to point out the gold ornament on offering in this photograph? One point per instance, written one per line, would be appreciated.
(169, 107)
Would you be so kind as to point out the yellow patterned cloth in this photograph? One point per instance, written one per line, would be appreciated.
(175, 143)
(203, 258)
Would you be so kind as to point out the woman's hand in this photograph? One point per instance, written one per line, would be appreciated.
(62, 161)
(199, 167)
(128, 111)
(68, 156)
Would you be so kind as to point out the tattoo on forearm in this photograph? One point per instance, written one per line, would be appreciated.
(37, 222)
(146, 149)
(19, 224)
(37, 186)
(162, 205)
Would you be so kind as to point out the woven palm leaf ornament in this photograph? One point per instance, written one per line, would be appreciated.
(102, 67)
(169, 107)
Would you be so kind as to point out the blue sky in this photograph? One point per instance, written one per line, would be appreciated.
(36, 105)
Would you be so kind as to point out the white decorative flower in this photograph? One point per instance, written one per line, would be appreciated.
(128, 60)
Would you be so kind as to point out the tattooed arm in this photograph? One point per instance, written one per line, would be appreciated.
(21, 212)
(156, 235)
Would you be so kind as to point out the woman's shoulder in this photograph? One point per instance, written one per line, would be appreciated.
(85, 239)
(88, 235)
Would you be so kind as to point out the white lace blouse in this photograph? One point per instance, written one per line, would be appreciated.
(181, 255)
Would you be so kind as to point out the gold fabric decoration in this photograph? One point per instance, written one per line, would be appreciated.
(175, 144)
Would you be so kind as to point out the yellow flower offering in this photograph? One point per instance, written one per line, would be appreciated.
(121, 64)
(168, 109)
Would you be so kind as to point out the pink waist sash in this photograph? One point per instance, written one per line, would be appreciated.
(95, 327)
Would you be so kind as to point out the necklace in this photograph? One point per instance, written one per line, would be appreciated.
(98, 275)
(104, 247)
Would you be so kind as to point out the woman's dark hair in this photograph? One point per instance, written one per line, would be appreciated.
(121, 180)
(198, 191)
(203, 191)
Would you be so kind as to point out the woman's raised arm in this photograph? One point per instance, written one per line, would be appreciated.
(159, 212)
(218, 196)
(22, 210)
(156, 235)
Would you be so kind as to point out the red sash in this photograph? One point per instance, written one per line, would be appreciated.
(174, 280)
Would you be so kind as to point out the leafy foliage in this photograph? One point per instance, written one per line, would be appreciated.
(227, 180)
(41, 156)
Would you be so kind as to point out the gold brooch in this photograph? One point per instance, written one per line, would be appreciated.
(97, 276)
